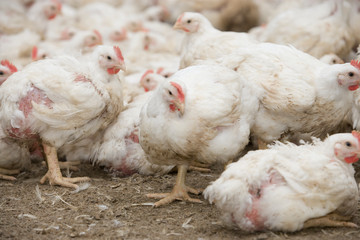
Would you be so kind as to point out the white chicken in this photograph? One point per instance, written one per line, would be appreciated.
(17, 47)
(117, 147)
(201, 114)
(60, 101)
(40, 13)
(6, 69)
(289, 187)
(294, 105)
(13, 157)
(150, 80)
(203, 41)
(331, 58)
(317, 30)
(225, 15)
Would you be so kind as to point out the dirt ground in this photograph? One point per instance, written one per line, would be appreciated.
(116, 208)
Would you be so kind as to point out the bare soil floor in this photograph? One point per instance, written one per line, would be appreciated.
(117, 208)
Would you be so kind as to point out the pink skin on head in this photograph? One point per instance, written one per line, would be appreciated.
(58, 6)
(356, 64)
(178, 23)
(354, 158)
(9, 65)
(181, 96)
(120, 57)
(143, 77)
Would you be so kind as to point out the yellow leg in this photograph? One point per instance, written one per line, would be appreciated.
(5, 172)
(53, 174)
(6, 177)
(179, 192)
(330, 220)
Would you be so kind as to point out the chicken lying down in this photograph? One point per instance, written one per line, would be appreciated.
(201, 114)
(60, 101)
(295, 105)
(150, 80)
(117, 147)
(318, 30)
(289, 187)
(203, 41)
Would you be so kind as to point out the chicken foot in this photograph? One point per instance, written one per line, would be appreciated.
(330, 220)
(5, 172)
(53, 174)
(179, 192)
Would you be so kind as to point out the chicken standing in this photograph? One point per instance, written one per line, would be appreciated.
(60, 101)
(201, 114)
(289, 187)
(203, 41)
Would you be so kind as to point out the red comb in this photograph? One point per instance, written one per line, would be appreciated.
(34, 53)
(118, 53)
(9, 65)
(356, 134)
(180, 17)
(145, 74)
(159, 70)
(355, 63)
(97, 33)
(180, 91)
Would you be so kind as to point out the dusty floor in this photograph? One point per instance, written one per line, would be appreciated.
(116, 208)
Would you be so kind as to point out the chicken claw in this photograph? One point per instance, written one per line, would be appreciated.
(179, 192)
(5, 172)
(54, 174)
(6, 177)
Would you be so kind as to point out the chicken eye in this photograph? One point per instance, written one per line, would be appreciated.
(348, 144)
(93, 38)
(1, 73)
(333, 61)
(71, 34)
(43, 56)
(189, 21)
(108, 57)
(53, 8)
(166, 76)
(147, 80)
(351, 74)
(170, 92)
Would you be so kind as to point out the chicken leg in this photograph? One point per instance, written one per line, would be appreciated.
(54, 174)
(330, 220)
(5, 172)
(179, 192)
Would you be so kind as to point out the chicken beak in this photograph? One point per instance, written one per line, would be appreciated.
(180, 106)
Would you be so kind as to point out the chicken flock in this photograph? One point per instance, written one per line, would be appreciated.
(155, 86)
